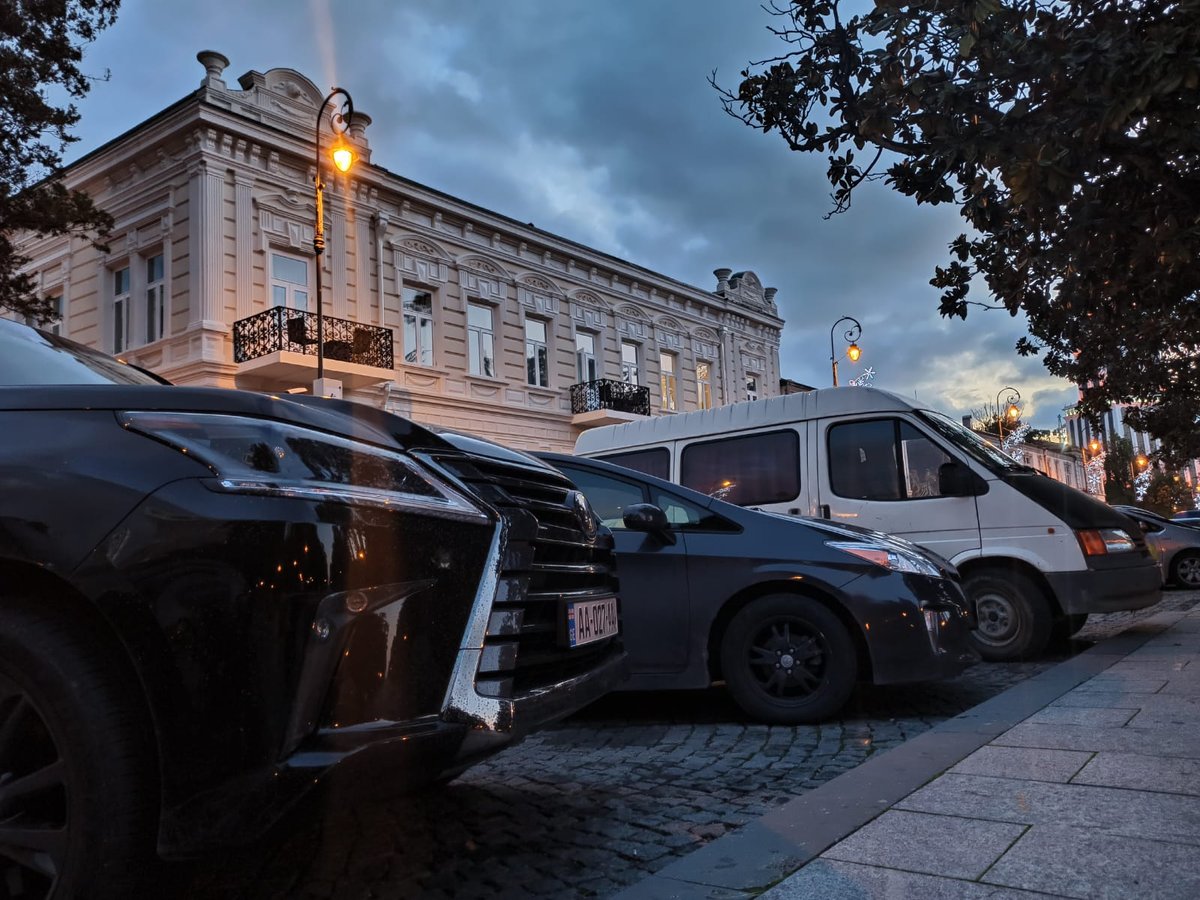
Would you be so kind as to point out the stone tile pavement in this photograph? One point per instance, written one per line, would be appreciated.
(1081, 782)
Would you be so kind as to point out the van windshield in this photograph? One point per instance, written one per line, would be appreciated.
(980, 450)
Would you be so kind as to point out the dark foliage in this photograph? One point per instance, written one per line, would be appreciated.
(1067, 132)
(40, 51)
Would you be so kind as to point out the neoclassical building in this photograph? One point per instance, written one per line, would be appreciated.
(440, 310)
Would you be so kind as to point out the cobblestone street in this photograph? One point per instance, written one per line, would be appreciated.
(603, 799)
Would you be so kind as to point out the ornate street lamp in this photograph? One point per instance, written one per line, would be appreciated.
(853, 333)
(343, 158)
(1011, 410)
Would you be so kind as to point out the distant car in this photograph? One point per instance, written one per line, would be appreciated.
(1188, 515)
(1174, 542)
(789, 612)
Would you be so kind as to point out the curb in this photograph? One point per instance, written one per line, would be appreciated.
(773, 847)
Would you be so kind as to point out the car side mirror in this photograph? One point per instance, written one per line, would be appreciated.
(650, 519)
(956, 480)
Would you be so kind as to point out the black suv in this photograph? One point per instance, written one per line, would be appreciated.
(211, 600)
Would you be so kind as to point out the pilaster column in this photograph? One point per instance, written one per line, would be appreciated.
(206, 191)
(244, 228)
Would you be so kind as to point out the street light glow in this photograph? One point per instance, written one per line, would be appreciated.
(854, 352)
(343, 157)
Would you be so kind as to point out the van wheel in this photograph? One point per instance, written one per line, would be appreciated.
(788, 660)
(1185, 570)
(76, 811)
(1013, 615)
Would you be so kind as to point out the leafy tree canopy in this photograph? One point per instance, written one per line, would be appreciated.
(40, 50)
(1167, 495)
(1067, 134)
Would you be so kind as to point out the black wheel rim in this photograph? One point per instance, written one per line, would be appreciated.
(33, 798)
(788, 658)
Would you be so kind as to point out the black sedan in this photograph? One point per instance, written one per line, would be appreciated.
(788, 612)
(211, 600)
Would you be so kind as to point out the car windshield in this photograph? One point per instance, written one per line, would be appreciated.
(30, 357)
(980, 450)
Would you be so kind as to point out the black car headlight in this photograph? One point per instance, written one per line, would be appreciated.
(898, 559)
(266, 457)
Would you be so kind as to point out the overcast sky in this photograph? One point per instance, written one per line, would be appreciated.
(594, 120)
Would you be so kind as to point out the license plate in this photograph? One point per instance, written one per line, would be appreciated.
(591, 620)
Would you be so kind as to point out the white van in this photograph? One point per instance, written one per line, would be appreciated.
(1035, 555)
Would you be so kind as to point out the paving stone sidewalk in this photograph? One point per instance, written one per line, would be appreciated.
(1082, 782)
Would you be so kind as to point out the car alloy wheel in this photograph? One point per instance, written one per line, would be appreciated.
(787, 657)
(1187, 571)
(34, 798)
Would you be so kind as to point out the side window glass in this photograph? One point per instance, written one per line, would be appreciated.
(746, 470)
(609, 497)
(862, 460)
(656, 462)
(687, 516)
(921, 459)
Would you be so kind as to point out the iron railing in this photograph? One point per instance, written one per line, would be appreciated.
(280, 328)
(590, 396)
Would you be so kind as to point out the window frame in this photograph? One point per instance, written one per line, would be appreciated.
(475, 335)
(156, 298)
(121, 303)
(424, 356)
(586, 359)
(532, 369)
(290, 288)
(704, 385)
(793, 469)
(899, 454)
(633, 366)
(668, 380)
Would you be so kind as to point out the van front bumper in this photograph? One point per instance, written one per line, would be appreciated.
(1107, 590)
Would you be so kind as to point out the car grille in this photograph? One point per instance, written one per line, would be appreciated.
(549, 561)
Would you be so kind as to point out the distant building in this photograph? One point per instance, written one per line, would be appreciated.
(1057, 459)
(435, 308)
(787, 386)
(1113, 425)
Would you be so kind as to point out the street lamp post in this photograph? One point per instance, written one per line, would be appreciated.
(1011, 410)
(853, 333)
(343, 159)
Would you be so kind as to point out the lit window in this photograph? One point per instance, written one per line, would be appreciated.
(666, 380)
(629, 363)
(418, 327)
(156, 299)
(585, 356)
(704, 385)
(537, 361)
(480, 340)
(120, 319)
(289, 282)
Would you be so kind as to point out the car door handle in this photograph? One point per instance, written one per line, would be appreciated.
(825, 511)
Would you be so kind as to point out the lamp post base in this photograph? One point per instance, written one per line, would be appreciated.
(327, 387)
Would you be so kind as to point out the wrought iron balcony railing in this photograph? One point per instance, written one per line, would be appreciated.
(590, 396)
(280, 328)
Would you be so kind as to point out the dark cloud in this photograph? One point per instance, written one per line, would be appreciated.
(595, 121)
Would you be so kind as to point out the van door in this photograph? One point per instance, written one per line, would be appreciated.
(882, 473)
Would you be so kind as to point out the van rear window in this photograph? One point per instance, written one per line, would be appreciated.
(747, 470)
(655, 461)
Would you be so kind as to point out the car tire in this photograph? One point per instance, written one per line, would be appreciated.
(1185, 570)
(77, 778)
(1014, 620)
(788, 660)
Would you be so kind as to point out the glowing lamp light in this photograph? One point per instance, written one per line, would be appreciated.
(343, 157)
(1013, 411)
(854, 352)
(1094, 445)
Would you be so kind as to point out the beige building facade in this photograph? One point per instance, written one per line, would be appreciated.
(434, 308)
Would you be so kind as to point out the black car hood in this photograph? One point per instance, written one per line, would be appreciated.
(469, 443)
(341, 417)
(1074, 507)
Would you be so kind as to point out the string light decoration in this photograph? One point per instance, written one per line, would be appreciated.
(1094, 471)
(864, 379)
(1012, 442)
(1141, 484)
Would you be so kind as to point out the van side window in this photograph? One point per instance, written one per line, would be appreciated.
(862, 460)
(921, 459)
(746, 470)
(655, 461)
(884, 459)
(609, 497)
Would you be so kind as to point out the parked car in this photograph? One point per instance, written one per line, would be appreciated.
(789, 612)
(1036, 556)
(211, 600)
(1188, 515)
(1174, 542)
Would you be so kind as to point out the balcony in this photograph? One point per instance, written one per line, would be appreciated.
(607, 402)
(278, 348)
